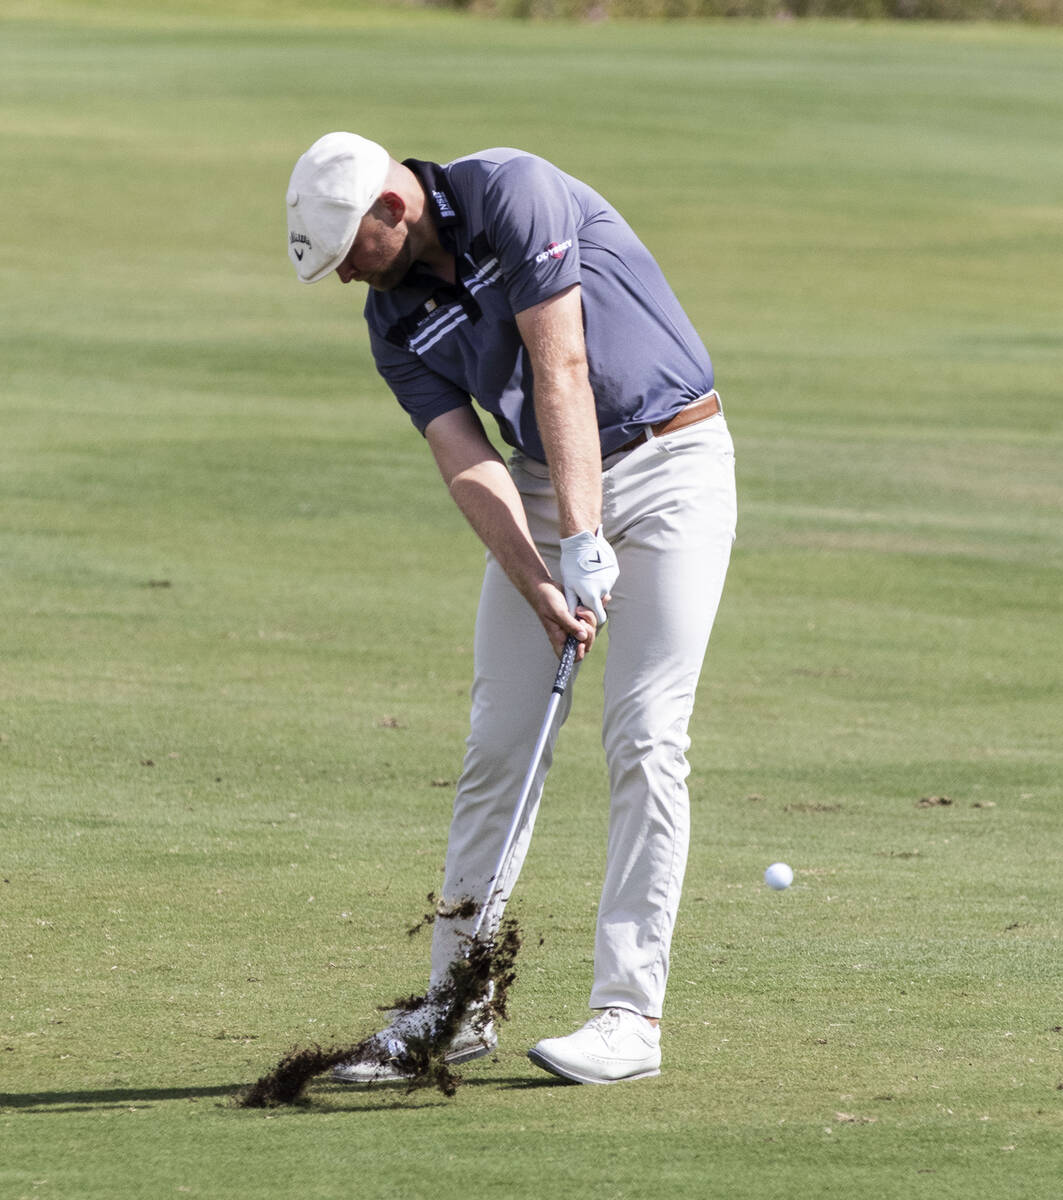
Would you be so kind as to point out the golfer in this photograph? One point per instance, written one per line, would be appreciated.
(501, 288)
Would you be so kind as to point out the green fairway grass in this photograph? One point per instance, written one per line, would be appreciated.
(236, 615)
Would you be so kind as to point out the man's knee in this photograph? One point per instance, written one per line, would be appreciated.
(648, 750)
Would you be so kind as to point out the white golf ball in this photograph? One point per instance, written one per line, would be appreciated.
(779, 876)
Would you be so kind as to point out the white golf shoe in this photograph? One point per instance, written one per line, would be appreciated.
(617, 1044)
(386, 1049)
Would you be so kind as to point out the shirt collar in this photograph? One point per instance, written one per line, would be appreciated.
(440, 199)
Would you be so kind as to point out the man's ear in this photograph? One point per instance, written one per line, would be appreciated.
(390, 208)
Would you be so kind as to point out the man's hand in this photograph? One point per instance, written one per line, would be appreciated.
(588, 571)
(560, 622)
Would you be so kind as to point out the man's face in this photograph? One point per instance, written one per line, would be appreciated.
(380, 255)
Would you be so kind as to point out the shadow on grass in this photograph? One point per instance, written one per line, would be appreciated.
(401, 1093)
(397, 1095)
(519, 1083)
(86, 1101)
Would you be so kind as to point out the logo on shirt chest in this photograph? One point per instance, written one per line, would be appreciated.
(554, 250)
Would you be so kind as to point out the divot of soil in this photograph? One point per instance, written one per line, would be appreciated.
(476, 990)
(464, 910)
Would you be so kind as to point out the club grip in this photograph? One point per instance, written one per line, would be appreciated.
(564, 669)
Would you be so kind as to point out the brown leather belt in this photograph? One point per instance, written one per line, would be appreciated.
(698, 410)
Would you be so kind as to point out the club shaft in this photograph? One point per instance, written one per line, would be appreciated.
(561, 680)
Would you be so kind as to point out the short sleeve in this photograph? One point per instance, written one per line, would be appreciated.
(531, 221)
(422, 392)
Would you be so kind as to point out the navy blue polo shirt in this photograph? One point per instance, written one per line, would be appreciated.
(521, 230)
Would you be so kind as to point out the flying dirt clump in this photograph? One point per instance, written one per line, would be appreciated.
(476, 989)
(464, 910)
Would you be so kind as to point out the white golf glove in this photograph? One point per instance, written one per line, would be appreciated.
(588, 571)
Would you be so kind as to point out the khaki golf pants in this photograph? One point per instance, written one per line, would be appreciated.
(669, 512)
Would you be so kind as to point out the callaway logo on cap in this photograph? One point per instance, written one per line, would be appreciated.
(334, 184)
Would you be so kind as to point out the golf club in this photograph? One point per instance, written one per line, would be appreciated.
(561, 680)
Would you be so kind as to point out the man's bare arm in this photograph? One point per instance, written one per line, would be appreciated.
(480, 485)
(552, 333)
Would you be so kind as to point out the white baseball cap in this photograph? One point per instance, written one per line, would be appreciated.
(334, 184)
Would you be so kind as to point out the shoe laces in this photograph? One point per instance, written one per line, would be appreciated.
(607, 1022)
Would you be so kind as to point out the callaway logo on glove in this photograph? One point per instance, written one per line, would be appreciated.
(588, 571)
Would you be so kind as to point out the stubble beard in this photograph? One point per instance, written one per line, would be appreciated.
(390, 278)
